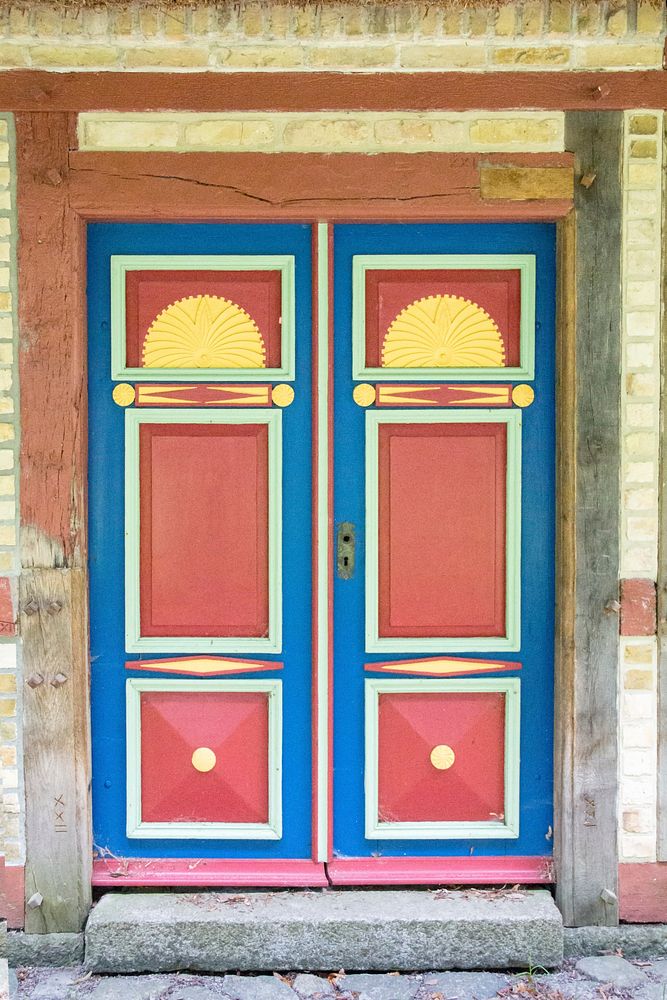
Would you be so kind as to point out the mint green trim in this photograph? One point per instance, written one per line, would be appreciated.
(322, 446)
(203, 831)
(134, 641)
(511, 641)
(509, 828)
(121, 264)
(525, 263)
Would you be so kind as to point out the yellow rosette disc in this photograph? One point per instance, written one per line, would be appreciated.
(204, 331)
(523, 395)
(282, 395)
(364, 394)
(443, 331)
(204, 759)
(123, 394)
(442, 757)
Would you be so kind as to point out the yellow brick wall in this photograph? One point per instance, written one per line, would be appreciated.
(405, 36)
(638, 749)
(325, 133)
(642, 165)
(642, 275)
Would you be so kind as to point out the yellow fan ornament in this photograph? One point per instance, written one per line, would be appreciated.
(204, 331)
(443, 331)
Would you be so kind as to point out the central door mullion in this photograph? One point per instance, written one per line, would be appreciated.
(323, 540)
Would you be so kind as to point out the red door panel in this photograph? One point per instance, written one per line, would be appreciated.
(204, 530)
(442, 529)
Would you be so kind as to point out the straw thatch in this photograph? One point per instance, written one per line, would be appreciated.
(180, 4)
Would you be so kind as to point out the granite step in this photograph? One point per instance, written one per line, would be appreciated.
(358, 930)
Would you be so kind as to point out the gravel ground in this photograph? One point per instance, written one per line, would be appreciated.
(606, 977)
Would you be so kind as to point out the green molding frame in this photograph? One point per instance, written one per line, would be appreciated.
(509, 829)
(121, 264)
(134, 641)
(525, 263)
(136, 828)
(511, 641)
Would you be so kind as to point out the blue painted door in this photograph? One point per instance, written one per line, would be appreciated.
(444, 476)
(201, 543)
(200, 540)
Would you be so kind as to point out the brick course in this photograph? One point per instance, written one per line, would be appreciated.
(525, 34)
(380, 132)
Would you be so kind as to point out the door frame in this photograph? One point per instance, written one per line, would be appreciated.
(59, 190)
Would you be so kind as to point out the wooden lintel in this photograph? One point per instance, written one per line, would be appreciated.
(309, 186)
(38, 90)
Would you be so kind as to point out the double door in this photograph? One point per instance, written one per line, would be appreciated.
(321, 547)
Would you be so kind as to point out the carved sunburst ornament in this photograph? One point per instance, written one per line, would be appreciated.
(443, 331)
(204, 331)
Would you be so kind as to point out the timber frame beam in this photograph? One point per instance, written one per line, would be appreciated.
(59, 190)
(36, 90)
(589, 373)
(53, 587)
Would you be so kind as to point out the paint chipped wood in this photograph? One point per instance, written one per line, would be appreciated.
(58, 862)
(526, 183)
(53, 592)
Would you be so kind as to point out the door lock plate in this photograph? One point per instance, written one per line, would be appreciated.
(345, 545)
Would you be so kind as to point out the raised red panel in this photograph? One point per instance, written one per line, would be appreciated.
(389, 292)
(204, 529)
(149, 292)
(410, 787)
(235, 726)
(442, 496)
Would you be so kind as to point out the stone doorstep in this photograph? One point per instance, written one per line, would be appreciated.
(357, 930)
(634, 941)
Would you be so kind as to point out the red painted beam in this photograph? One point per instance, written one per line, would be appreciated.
(307, 186)
(37, 90)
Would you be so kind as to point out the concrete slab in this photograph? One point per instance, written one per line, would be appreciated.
(466, 985)
(127, 988)
(307, 985)
(305, 931)
(44, 949)
(379, 987)
(632, 940)
(612, 969)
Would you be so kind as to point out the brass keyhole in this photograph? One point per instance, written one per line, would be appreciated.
(345, 544)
